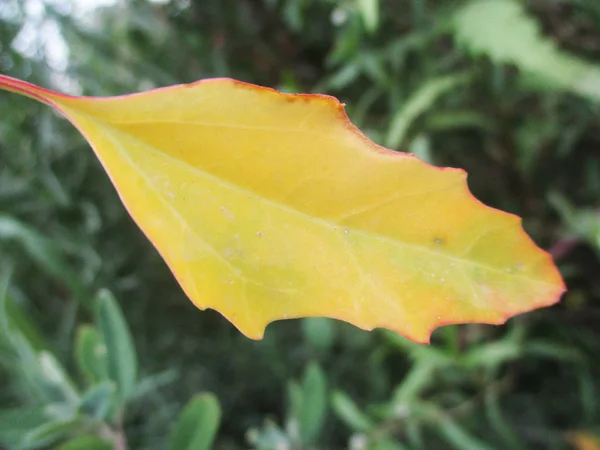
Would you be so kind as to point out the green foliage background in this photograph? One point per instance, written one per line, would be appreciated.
(507, 90)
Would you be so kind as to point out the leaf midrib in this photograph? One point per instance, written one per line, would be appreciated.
(369, 235)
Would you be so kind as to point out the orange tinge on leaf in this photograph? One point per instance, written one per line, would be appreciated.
(269, 206)
(584, 440)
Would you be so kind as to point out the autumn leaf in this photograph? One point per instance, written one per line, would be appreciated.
(269, 206)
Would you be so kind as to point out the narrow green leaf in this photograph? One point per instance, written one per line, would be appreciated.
(37, 373)
(56, 377)
(343, 77)
(86, 442)
(29, 373)
(122, 360)
(91, 355)
(295, 400)
(418, 378)
(454, 433)
(369, 11)
(422, 100)
(314, 403)
(349, 413)
(19, 319)
(492, 354)
(197, 424)
(458, 437)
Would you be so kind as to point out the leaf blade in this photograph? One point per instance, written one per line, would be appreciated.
(332, 225)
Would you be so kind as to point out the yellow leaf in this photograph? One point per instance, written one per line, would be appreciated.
(269, 206)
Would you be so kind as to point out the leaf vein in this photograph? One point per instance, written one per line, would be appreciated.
(233, 186)
(391, 199)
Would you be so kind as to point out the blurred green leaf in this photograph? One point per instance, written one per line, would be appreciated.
(314, 403)
(492, 354)
(418, 379)
(96, 402)
(459, 438)
(582, 223)
(197, 425)
(269, 437)
(293, 13)
(91, 354)
(503, 31)
(553, 351)
(151, 383)
(15, 423)
(28, 372)
(57, 378)
(418, 103)
(49, 433)
(347, 74)
(498, 421)
(296, 407)
(420, 146)
(369, 11)
(20, 321)
(86, 442)
(319, 332)
(121, 356)
(387, 444)
(349, 413)
(44, 252)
